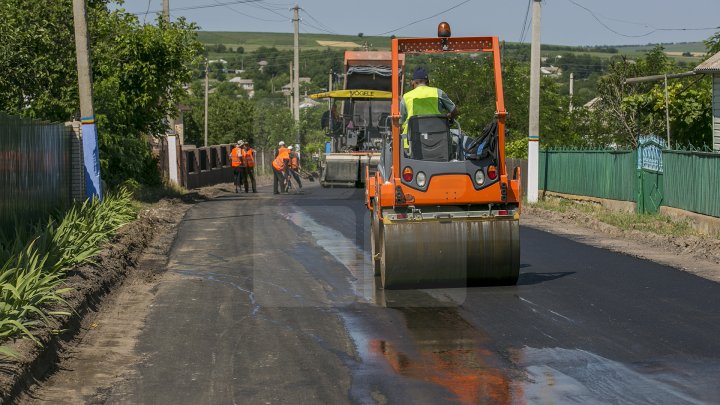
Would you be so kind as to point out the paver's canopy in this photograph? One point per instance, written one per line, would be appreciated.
(353, 94)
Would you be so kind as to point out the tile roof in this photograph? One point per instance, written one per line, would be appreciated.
(711, 65)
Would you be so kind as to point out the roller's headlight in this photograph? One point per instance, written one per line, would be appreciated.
(479, 177)
(421, 179)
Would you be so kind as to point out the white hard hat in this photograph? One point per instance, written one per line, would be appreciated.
(290, 147)
(281, 143)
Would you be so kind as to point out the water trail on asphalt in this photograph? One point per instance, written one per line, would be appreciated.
(573, 376)
(344, 250)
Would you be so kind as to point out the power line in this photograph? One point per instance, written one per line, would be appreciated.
(318, 28)
(524, 26)
(327, 29)
(424, 19)
(203, 6)
(147, 10)
(248, 15)
(653, 30)
(257, 4)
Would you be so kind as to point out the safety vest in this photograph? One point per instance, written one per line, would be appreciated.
(294, 161)
(249, 156)
(283, 155)
(423, 100)
(236, 157)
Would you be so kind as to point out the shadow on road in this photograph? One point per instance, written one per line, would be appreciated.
(537, 278)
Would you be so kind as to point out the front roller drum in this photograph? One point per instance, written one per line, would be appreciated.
(450, 254)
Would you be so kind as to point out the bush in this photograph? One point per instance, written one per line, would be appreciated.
(33, 271)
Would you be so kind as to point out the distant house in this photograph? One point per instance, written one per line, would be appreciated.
(246, 84)
(552, 71)
(712, 67)
(287, 89)
(307, 102)
(592, 104)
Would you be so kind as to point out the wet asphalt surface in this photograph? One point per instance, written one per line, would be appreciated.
(272, 300)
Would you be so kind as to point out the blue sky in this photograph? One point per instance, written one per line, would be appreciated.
(565, 22)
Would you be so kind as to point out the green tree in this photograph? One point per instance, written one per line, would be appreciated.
(230, 118)
(138, 71)
(470, 84)
(622, 108)
(713, 44)
(273, 123)
(628, 110)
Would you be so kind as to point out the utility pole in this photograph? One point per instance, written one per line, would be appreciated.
(91, 155)
(572, 90)
(296, 77)
(166, 10)
(292, 90)
(330, 88)
(534, 130)
(667, 111)
(207, 85)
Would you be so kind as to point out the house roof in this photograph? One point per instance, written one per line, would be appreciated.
(711, 65)
(240, 80)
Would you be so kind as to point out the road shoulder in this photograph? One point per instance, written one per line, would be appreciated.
(693, 254)
(90, 288)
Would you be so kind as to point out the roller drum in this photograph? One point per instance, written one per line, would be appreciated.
(456, 253)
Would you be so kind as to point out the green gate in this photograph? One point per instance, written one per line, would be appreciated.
(650, 174)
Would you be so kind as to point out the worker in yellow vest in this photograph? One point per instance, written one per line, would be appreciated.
(279, 166)
(294, 167)
(236, 163)
(249, 159)
(423, 100)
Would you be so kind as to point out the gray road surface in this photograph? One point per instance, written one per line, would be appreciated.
(271, 300)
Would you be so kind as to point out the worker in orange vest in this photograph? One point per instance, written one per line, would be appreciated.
(294, 167)
(279, 166)
(236, 158)
(249, 160)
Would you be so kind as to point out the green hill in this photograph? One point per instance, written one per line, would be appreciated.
(250, 41)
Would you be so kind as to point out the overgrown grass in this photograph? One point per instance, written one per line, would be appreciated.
(34, 267)
(154, 193)
(653, 223)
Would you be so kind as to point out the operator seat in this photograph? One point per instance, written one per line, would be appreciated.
(430, 138)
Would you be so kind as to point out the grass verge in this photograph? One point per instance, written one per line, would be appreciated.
(34, 263)
(653, 223)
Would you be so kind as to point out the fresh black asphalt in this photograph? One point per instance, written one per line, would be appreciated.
(271, 300)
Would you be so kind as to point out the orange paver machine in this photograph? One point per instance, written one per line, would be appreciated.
(444, 210)
(361, 118)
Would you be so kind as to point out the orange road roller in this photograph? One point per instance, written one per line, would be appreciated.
(444, 211)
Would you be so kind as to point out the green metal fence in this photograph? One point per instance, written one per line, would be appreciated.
(602, 174)
(692, 181)
(34, 170)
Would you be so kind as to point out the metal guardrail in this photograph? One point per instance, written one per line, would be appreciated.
(205, 166)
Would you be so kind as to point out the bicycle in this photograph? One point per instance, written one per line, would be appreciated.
(288, 181)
